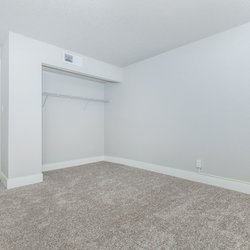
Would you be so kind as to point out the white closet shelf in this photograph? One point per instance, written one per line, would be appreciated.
(47, 94)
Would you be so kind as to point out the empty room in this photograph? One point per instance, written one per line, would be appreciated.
(125, 125)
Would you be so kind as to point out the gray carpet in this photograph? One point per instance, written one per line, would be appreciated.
(109, 206)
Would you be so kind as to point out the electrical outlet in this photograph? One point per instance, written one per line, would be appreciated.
(198, 165)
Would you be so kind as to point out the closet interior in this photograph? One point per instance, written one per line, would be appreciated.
(72, 115)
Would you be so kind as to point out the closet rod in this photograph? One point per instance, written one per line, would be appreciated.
(46, 94)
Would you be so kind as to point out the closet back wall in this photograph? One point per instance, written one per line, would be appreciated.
(72, 129)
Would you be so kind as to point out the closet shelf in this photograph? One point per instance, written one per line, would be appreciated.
(47, 94)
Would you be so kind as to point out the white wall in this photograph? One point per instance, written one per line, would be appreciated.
(192, 102)
(26, 57)
(0, 114)
(5, 104)
(72, 129)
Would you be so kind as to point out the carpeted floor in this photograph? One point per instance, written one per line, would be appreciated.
(109, 206)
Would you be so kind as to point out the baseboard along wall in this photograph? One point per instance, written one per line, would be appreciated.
(72, 163)
(231, 184)
(20, 181)
(3, 179)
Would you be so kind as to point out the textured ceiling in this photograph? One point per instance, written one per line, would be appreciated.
(121, 32)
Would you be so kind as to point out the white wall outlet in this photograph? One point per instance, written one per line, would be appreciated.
(198, 165)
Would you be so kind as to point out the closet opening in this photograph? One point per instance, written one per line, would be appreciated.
(72, 118)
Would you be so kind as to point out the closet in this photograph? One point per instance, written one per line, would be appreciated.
(73, 117)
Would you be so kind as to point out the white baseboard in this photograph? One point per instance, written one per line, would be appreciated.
(3, 179)
(73, 163)
(21, 181)
(218, 181)
(231, 184)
